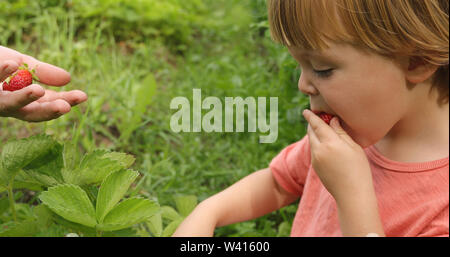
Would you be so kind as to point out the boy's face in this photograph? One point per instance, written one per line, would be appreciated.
(366, 91)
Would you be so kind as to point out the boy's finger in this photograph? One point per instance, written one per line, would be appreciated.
(7, 68)
(47, 73)
(313, 140)
(12, 101)
(37, 112)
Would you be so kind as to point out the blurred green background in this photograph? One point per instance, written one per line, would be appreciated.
(132, 57)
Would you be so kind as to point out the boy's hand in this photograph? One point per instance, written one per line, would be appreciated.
(340, 163)
(33, 103)
(344, 170)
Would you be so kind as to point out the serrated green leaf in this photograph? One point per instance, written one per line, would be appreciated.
(71, 203)
(23, 180)
(170, 229)
(129, 212)
(19, 153)
(96, 166)
(124, 160)
(169, 213)
(46, 169)
(185, 204)
(112, 191)
(154, 224)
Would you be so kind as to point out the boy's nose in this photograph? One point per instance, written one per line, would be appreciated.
(305, 86)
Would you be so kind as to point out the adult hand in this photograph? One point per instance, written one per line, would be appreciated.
(34, 103)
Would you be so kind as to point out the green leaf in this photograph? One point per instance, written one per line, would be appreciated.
(43, 216)
(24, 228)
(46, 169)
(23, 180)
(18, 154)
(112, 190)
(71, 203)
(185, 204)
(72, 226)
(129, 212)
(96, 166)
(154, 224)
(170, 229)
(169, 213)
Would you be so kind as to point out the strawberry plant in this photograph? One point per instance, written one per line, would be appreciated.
(82, 194)
(185, 204)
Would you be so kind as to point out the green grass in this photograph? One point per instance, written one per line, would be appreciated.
(233, 57)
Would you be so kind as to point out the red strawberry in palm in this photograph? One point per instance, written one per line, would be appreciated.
(20, 79)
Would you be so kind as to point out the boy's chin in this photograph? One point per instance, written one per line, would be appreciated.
(363, 142)
(359, 139)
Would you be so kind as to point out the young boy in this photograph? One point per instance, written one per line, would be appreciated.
(381, 166)
(33, 103)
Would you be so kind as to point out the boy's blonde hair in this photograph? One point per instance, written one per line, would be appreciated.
(414, 28)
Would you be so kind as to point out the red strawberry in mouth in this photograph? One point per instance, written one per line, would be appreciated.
(324, 116)
(20, 79)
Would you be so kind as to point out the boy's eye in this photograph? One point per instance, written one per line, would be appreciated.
(323, 73)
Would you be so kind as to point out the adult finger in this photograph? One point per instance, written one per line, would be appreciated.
(7, 68)
(72, 97)
(320, 128)
(37, 112)
(13, 101)
(47, 73)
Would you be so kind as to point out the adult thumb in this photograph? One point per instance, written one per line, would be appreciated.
(7, 68)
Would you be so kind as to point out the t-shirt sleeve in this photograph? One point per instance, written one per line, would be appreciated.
(290, 167)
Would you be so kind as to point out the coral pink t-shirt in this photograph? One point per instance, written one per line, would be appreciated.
(412, 197)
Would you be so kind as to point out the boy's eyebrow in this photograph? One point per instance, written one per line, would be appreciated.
(322, 56)
(317, 54)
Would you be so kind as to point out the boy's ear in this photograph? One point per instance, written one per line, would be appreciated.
(418, 70)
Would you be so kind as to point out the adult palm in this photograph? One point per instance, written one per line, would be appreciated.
(34, 103)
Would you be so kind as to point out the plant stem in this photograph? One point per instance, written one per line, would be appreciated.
(11, 200)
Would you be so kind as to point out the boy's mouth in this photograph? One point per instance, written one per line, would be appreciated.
(324, 116)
